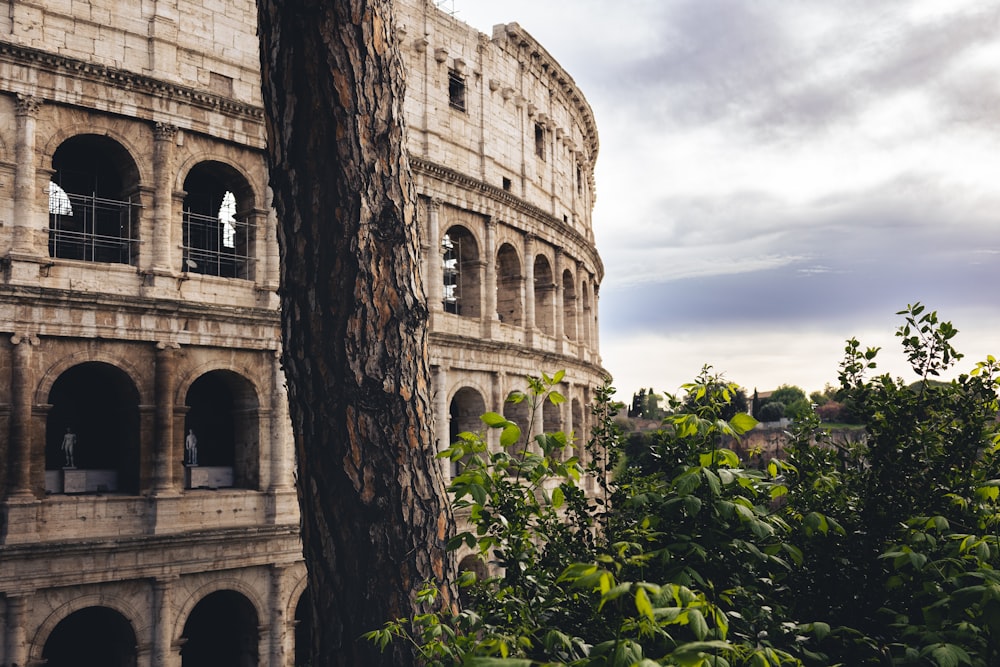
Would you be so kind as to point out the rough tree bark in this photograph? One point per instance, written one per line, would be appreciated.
(354, 320)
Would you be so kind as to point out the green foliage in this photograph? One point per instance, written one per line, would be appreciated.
(882, 553)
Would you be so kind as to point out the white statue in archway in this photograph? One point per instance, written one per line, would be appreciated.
(68, 445)
(191, 446)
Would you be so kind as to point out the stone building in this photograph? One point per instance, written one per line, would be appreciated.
(138, 277)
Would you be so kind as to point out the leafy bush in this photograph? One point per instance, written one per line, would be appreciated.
(881, 554)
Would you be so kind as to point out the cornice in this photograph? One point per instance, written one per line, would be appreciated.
(126, 80)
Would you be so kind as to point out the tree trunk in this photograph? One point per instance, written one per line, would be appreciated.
(375, 517)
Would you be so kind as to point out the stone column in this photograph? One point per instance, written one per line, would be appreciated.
(163, 196)
(272, 267)
(568, 421)
(282, 652)
(25, 171)
(581, 315)
(499, 380)
(435, 274)
(441, 415)
(558, 301)
(595, 342)
(164, 653)
(529, 285)
(490, 317)
(19, 447)
(282, 454)
(164, 387)
(15, 639)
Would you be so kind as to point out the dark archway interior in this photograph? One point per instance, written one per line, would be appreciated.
(303, 631)
(222, 411)
(91, 637)
(100, 404)
(217, 237)
(221, 632)
(93, 218)
(211, 404)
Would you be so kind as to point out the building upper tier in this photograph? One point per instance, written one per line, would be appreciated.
(499, 109)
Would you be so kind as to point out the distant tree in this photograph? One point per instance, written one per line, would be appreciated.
(638, 404)
(772, 411)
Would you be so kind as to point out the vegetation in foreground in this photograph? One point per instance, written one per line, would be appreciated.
(882, 554)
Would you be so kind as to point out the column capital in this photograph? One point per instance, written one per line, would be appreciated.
(164, 131)
(27, 105)
(434, 204)
(168, 345)
(25, 337)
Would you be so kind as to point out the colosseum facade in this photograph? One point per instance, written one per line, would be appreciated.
(138, 304)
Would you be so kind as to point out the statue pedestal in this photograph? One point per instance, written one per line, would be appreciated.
(207, 477)
(74, 481)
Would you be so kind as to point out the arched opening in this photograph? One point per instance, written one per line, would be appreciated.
(92, 440)
(544, 293)
(474, 564)
(94, 201)
(464, 412)
(569, 305)
(218, 222)
(221, 632)
(462, 270)
(224, 421)
(510, 300)
(303, 631)
(91, 636)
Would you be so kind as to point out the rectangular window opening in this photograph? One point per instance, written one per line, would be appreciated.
(456, 90)
(539, 140)
(506, 184)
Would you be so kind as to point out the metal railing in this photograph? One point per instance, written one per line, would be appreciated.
(94, 229)
(217, 247)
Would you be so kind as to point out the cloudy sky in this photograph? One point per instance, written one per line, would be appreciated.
(776, 177)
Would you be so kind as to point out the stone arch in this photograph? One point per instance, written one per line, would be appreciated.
(465, 408)
(219, 221)
(510, 285)
(545, 301)
(462, 272)
(94, 200)
(223, 415)
(99, 125)
(57, 368)
(215, 585)
(222, 628)
(93, 431)
(569, 305)
(252, 196)
(139, 622)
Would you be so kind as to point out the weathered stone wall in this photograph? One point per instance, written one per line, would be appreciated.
(173, 331)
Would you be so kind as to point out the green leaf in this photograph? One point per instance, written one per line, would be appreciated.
(495, 662)
(510, 435)
(494, 420)
(742, 422)
(558, 497)
(642, 604)
(699, 626)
